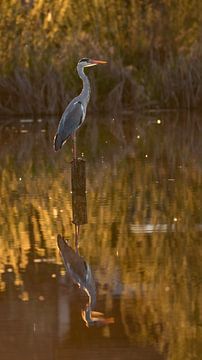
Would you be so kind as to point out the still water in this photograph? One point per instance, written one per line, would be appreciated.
(142, 239)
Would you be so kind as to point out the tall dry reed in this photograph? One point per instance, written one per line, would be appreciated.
(153, 49)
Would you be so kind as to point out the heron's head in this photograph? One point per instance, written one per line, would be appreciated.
(85, 62)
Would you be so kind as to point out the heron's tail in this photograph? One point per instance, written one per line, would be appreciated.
(57, 142)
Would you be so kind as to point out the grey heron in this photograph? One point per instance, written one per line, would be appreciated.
(80, 273)
(75, 112)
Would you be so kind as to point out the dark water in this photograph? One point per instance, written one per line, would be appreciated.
(142, 240)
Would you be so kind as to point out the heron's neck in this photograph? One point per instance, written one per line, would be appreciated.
(88, 314)
(85, 93)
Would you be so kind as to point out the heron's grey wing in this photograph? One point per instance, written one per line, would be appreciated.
(70, 121)
(74, 263)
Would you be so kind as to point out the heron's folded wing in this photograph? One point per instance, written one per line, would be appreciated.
(71, 120)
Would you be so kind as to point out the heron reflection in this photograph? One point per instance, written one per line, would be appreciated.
(80, 273)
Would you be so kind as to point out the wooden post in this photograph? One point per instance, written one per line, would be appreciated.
(78, 181)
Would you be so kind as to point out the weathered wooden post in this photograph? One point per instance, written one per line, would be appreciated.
(79, 204)
(78, 184)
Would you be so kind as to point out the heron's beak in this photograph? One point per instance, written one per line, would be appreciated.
(96, 62)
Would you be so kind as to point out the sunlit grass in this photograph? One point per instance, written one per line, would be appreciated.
(153, 49)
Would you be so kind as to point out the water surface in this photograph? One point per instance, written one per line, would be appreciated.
(142, 240)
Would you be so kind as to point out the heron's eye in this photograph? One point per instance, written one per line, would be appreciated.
(84, 60)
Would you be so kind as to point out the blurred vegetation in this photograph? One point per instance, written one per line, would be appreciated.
(154, 51)
(156, 275)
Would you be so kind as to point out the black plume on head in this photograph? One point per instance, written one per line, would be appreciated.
(84, 60)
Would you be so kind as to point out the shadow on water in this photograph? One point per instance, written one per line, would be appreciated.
(142, 241)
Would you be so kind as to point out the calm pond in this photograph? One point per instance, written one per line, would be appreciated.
(142, 240)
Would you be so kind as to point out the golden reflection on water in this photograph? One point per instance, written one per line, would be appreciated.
(144, 222)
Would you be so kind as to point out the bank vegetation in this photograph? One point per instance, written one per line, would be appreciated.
(153, 49)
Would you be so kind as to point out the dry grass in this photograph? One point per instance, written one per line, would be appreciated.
(153, 50)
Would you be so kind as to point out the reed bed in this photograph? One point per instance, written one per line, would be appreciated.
(153, 49)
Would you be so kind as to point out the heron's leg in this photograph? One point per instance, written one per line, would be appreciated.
(77, 238)
(74, 146)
